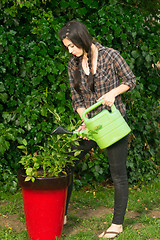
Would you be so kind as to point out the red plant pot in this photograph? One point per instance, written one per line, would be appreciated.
(44, 206)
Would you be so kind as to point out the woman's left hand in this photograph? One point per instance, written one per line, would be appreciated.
(108, 98)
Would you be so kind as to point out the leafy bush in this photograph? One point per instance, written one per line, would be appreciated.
(34, 78)
(51, 160)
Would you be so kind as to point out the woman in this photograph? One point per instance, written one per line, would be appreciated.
(94, 74)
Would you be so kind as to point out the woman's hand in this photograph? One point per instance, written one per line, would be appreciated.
(81, 128)
(108, 98)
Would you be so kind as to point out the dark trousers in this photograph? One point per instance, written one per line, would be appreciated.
(117, 155)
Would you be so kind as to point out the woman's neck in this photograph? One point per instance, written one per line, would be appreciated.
(94, 49)
(94, 56)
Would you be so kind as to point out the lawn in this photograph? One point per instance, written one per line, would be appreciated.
(90, 212)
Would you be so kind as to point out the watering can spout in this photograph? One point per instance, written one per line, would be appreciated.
(61, 130)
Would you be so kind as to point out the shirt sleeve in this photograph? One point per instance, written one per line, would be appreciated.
(77, 99)
(124, 72)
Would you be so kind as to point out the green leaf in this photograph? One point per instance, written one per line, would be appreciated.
(61, 67)
(74, 4)
(37, 80)
(21, 147)
(82, 11)
(64, 4)
(33, 179)
(134, 34)
(84, 167)
(12, 32)
(24, 142)
(3, 97)
(144, 48)
(102, 12)
(152, 87)
(135, 54)
(10, 136)
(148, 58)
(6, 144)
(29, 171)
(2, 88)
(77, 153)
(36, 165)
(44, 111)
(28, 178)
(2, 69)
(88, 2)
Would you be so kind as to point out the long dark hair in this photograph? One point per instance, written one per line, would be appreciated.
(78, 34)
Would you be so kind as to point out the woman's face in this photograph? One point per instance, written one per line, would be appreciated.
(73, 49)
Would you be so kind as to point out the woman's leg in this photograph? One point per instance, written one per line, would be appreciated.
(69, 192)
(117, 155)
(85, 146)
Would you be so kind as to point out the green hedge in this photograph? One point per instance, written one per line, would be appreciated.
(34, 82)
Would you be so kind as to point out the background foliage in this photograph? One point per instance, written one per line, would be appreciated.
(34, 81)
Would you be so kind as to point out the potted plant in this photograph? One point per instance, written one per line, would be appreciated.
(44, 178)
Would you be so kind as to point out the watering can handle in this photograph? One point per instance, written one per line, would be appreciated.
(93, 107)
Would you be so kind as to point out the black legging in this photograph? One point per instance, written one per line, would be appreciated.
(117, 155)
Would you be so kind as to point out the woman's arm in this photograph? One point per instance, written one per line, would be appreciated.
(124, 73)
(109, 97)
(80, 111)
(83, 126)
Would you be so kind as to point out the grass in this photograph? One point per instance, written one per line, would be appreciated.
(85, 220)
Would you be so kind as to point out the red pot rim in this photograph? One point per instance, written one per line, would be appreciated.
(48, 183)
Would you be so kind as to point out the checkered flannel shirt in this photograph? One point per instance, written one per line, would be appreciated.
(112, 70)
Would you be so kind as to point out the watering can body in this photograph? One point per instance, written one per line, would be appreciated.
(106, 127)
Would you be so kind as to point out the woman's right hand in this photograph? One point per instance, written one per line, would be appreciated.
(81, 128)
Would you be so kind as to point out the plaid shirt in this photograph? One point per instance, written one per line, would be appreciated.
(111, 68)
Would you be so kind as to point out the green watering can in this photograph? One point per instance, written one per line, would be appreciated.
(105, 128)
